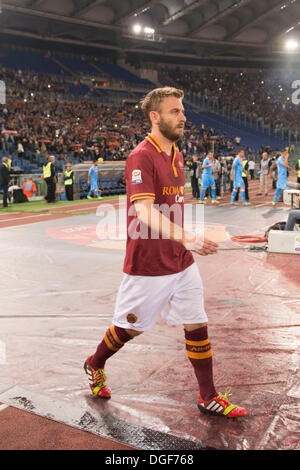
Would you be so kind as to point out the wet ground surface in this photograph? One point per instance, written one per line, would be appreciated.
(58, 296)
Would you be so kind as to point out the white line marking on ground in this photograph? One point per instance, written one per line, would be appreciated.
(21, 218)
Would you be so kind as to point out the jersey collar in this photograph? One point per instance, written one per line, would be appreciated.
(160, 149)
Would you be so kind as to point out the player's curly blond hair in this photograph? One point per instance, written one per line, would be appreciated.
(153, 99)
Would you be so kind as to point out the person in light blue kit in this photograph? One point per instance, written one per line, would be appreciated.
(207, 179)
(93, 181)
(236, 177)
(282, 164)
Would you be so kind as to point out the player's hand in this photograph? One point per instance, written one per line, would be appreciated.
(199, 244)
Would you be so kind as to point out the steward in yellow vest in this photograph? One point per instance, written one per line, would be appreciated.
(298, 170)
(47, 170)
(245, 178)
(49, 176)
(69, 182)
(245, 169)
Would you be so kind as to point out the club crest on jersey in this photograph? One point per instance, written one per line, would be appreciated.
(136, 177)
(131, 318)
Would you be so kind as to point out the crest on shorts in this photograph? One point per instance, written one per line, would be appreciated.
(131, 318)
(136, 177)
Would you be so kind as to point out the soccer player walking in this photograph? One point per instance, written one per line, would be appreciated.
(237, 178)
(161, 277)
(282, 164)
(208, 179)
(93, 181)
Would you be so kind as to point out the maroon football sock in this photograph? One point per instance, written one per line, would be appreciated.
(199, 352)
(114, 339)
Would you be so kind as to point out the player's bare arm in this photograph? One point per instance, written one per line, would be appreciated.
(149, 215)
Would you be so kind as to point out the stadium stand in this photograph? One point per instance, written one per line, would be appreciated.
(122, 74)
(248, 136)
(35, 61)
(53, 108)
(258, 100)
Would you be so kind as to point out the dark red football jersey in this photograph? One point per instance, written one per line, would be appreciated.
(151, 173)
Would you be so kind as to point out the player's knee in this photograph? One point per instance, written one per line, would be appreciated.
(134, 333)
(195, 326)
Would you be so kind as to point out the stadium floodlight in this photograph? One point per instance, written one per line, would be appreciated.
(137, 28)
(291, 45)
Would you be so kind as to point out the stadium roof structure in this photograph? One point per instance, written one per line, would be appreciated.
(176, 30)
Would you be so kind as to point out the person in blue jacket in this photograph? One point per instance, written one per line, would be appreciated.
(208, 179)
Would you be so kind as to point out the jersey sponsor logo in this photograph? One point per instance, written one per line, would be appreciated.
(178, 191)
(171, 190)
(136, 177)
(181, 166)
(131, 318)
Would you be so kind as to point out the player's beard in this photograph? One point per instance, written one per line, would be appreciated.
(169, 132)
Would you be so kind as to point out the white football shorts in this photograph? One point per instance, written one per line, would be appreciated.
(177, 298)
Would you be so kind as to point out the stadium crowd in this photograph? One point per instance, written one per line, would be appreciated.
(266, 96)
(38, 119)
(45, 115)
